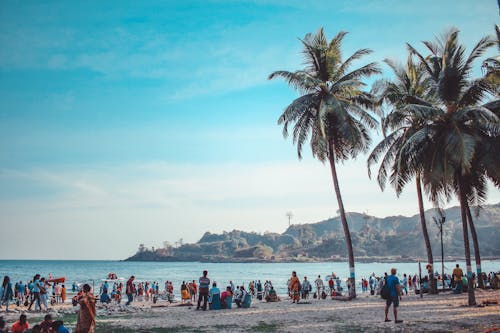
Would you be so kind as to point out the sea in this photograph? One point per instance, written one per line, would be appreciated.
(93, 272)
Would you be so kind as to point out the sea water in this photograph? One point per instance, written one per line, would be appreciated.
(92, 272)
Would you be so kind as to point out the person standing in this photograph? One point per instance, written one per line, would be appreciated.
(36, 293)
(306, 288)
(86, 314)
(63, 294)
(6, 293)
(392, 282)
(319, 286)
(130, 290)
(294, 287)
(20, 292)
(405, 284)
(457, 277)
(195, 290)
(204, 284)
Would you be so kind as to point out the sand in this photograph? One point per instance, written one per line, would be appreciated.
(434, 313)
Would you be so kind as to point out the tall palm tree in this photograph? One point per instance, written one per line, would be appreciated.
(492, 64)
(409, 86)
(330, 111)
(445, 149)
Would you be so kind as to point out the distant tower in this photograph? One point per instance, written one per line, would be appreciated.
(289, 215)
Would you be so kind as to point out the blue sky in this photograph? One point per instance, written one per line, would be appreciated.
(154, 121)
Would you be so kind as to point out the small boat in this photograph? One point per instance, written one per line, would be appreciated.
(57, 280)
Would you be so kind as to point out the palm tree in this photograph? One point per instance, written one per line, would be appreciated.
(409, 86)
(330, 111)
(445, 149)
(492, 65)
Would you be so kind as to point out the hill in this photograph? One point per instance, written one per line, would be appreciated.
(396, 237)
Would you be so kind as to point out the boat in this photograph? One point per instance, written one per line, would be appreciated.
(57, 280)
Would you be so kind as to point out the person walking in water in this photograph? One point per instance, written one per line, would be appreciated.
(392, 282)
(203, 286)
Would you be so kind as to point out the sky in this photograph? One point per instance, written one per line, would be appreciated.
(128, 122)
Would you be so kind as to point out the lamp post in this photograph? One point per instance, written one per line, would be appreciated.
(440, 221)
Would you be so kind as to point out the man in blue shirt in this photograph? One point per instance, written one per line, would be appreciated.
(395, 295)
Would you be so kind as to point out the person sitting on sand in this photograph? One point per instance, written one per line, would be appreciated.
(35, 329)
(58, 327)
(2, 325)
(392, 282)
(272, 296)
(225, 296)
(240, 297)
(214, 297)
(20, 326)
(46, 324)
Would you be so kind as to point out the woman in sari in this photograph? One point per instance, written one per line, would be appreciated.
(86, 315)
(294, 287)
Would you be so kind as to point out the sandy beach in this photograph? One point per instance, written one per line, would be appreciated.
(440, 313)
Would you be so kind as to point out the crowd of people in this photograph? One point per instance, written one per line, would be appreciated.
(206, 294)
(36, 289)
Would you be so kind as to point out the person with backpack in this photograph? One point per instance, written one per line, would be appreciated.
(391, 292)
(294, 287)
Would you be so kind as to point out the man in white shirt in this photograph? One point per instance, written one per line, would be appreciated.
(319, 286)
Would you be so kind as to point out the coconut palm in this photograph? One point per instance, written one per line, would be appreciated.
(445, 149)
(492, 64)
(330, 111)
(409, 86)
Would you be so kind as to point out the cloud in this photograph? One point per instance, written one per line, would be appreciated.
(185, 200)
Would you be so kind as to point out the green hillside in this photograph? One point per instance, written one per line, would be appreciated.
(373, 237)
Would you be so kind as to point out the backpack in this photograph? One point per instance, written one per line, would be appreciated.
(385, 293)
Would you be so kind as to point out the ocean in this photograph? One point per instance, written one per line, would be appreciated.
(92, 272)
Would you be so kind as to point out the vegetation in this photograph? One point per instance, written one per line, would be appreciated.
(440, 132)
(373, 238)
(409, 86)
(447, 150)
(331, 110)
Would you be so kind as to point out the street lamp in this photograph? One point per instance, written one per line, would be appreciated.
(440, 221)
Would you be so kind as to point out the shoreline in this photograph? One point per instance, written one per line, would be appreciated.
(367, 260)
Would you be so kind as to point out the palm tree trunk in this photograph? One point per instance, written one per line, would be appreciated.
(463, 211)
(343, 219)
(423, 223)
(476, 249)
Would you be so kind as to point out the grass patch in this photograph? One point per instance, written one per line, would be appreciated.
(108, 328)
(263, 327)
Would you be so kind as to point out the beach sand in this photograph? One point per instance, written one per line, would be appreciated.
(433, 313)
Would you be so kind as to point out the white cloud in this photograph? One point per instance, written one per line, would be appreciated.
(160, 201)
